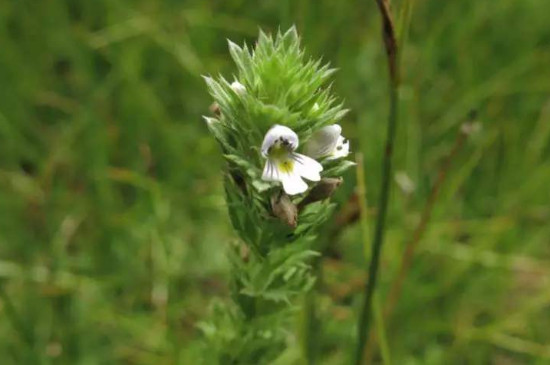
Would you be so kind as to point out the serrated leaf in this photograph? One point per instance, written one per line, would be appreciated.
(339, 169)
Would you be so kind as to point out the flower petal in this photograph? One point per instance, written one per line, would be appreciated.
(293, 183)
(270, 173)
(307, 167)
(323, 142)
(341, 149)
(279, 133)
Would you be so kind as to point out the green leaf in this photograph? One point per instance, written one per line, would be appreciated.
(339, 169)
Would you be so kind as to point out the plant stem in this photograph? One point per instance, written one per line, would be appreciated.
(391, 51)
(363, 208)
(364, 319)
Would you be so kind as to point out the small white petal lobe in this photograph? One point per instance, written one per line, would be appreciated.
(293, 183)
(307, 167)
(341, 149)
(270, 173)
(323, 142)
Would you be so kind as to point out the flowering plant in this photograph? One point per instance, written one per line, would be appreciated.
(277, 127)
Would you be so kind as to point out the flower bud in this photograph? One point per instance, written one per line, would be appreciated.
(238, 88)
(323, 190)
(283, 208)
(215, 109)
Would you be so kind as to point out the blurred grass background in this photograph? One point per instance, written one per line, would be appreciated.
(112, 220)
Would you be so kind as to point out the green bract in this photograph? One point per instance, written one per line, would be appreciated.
(275, 84)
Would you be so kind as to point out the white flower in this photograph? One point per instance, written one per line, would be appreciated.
(285, 165)
(328, 142)
(238, 88)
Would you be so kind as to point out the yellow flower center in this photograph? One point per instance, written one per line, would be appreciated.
(278, 150)
(286, 166)
(280, 153)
